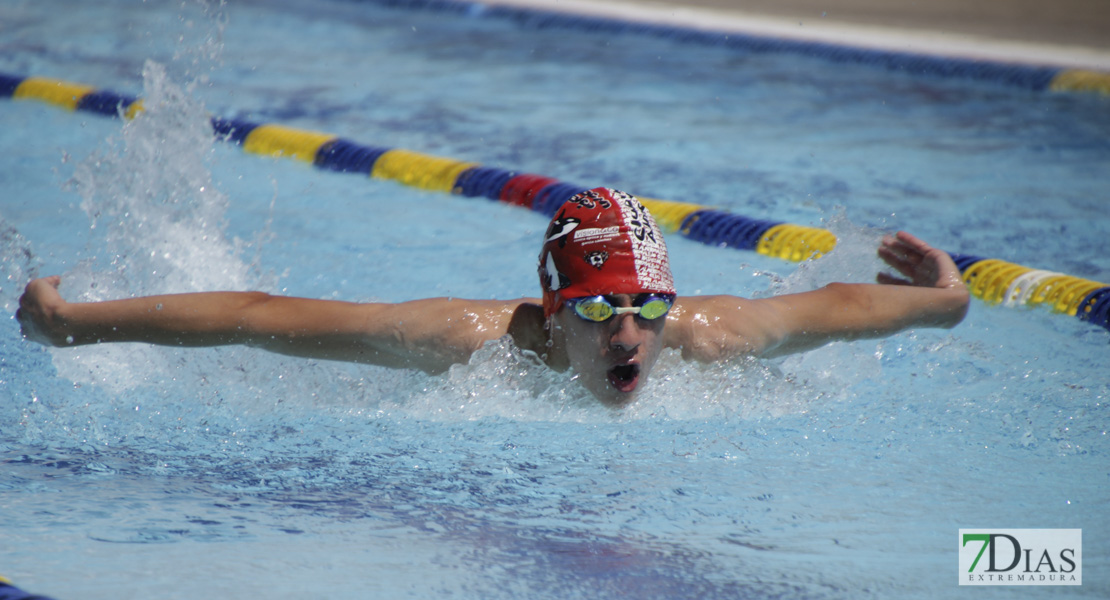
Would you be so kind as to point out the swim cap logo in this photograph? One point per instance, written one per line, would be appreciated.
(597, 235)
(636, 222)
(591, 199)
(561, 228)
(553, 280)
(597, 258)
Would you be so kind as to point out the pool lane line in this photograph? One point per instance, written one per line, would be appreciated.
(992, 280)
(937, 40)
(590, 18)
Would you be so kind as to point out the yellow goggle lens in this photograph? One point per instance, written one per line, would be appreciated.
(654, 308)
(594, 310)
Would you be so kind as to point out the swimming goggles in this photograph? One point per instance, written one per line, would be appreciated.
(598, 309)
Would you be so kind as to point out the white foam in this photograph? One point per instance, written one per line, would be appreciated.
(152, 194)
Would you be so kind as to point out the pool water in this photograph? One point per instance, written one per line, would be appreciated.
(842, 473)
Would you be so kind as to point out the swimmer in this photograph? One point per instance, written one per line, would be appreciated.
(607, 311)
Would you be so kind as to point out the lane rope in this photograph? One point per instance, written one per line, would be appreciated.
(996, 282)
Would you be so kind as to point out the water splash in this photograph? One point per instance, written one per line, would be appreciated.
(199, 56)
(18, 265)
(501, 381)
(151, 192)
(152, 202)
(854, 259)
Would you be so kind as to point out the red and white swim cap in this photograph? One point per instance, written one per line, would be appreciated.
(602, 242)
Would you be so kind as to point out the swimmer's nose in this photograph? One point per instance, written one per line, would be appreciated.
(627, 335)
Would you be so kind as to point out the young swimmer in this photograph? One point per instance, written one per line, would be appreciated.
(608, 310)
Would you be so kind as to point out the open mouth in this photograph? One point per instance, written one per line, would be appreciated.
(625, 377)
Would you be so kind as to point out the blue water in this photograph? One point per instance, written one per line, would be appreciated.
(843, 473)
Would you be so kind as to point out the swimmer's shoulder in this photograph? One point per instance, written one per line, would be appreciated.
(489, 319)
(526, 325)
(714, 328)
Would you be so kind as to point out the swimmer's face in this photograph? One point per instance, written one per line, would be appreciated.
(611, 358)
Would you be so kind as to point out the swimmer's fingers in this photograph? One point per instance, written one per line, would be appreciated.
(920, 263)
(903, 251)
(903, 258)
(887, 279)
(909, 243)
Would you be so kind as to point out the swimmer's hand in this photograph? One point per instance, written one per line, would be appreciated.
(39, 312)
(920, 264)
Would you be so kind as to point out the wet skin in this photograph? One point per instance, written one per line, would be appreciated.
(612, 359)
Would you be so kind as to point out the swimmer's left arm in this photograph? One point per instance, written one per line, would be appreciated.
(931, 294)
(846, 312)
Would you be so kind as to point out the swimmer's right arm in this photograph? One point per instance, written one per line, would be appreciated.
(426, 334)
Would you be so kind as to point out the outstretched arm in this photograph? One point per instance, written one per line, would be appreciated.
(930, 293)
(426, 334)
